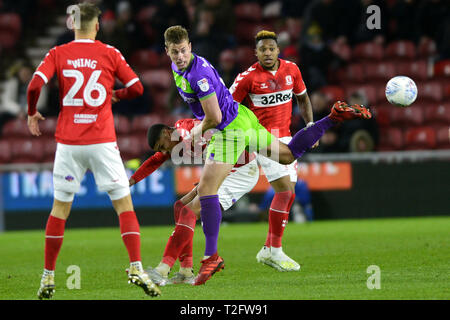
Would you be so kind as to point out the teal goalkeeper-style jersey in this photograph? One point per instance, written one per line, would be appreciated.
(199, 81)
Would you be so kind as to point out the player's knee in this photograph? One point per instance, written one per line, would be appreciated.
(64, 196)
(204, 189)
(118, 193)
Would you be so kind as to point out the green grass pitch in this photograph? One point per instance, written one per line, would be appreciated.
(413, 255)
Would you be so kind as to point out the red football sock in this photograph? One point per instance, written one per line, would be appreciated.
(269, 235)
(182, 235)
(279, 216)
(54, 235)
(186, 254)
(129, 230)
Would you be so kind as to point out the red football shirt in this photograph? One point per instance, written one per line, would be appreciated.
(86, 71)
(269, 94)
(184, 127)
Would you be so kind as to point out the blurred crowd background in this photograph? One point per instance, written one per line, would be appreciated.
(339, 56)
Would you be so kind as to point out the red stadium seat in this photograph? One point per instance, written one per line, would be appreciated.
(245, 57)
(443, 137)
(401, 50)
(130, 147)
(380, 88)
(430, 91)
(145, 14)
(5, 151)
(26, 150)
(16, 128)
(437, 114)
(442, 68)
(368, 51)
(249, 11)
(164, 61)
(160, 78)
(10, 29)
(160, 100)
(122, 124)
(49, 150)
(355, 72)
(367, 90)
(391, 139)
(333, 93)
(406, 117)
(246, 31)
(144, 59)
(140, 124)
(342, 50)
(380, 70)
(417, 69)
(48, 126)
(382, 114)
(426, 48)
(422, 138)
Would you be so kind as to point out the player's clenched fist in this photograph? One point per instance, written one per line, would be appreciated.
(33, 123)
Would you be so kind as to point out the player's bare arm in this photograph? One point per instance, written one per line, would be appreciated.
(213, 116)
(305, 106)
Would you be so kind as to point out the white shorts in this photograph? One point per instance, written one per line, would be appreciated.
(103, 159)
(239, 182)
(274, 170)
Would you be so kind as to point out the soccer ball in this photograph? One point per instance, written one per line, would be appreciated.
(401, 91)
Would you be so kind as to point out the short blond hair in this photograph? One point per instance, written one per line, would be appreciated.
(88, 12)
(264, 34)
(176, 35)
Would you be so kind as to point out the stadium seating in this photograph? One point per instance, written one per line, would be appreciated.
(342, 50)
(140, 125)
(426, 48)
(10, 29)
(368, 90)
(26, 150)
(443, 137)
(417, 69)
(400, 50)
(380, 70)
(5, 151)
(421, 138)
(333, 93)
(442, 68)
(16, 128)
(130, 147)
(437, 114)
(245, 57)
(391, 139)
(368, 51)
(121, 124)
(143, 60)
(382, 114)
(407, 117)
(49, 149)
(248, 11)
(48, 127)
(430, 91)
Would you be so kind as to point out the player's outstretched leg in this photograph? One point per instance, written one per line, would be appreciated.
(304, 139)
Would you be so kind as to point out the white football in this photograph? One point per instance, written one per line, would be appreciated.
(401, 91)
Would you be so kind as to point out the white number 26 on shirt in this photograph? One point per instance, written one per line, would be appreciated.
(91, 86)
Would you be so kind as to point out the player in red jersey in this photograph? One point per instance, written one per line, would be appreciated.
(267, 88)
(241, 180)
(86, 71)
